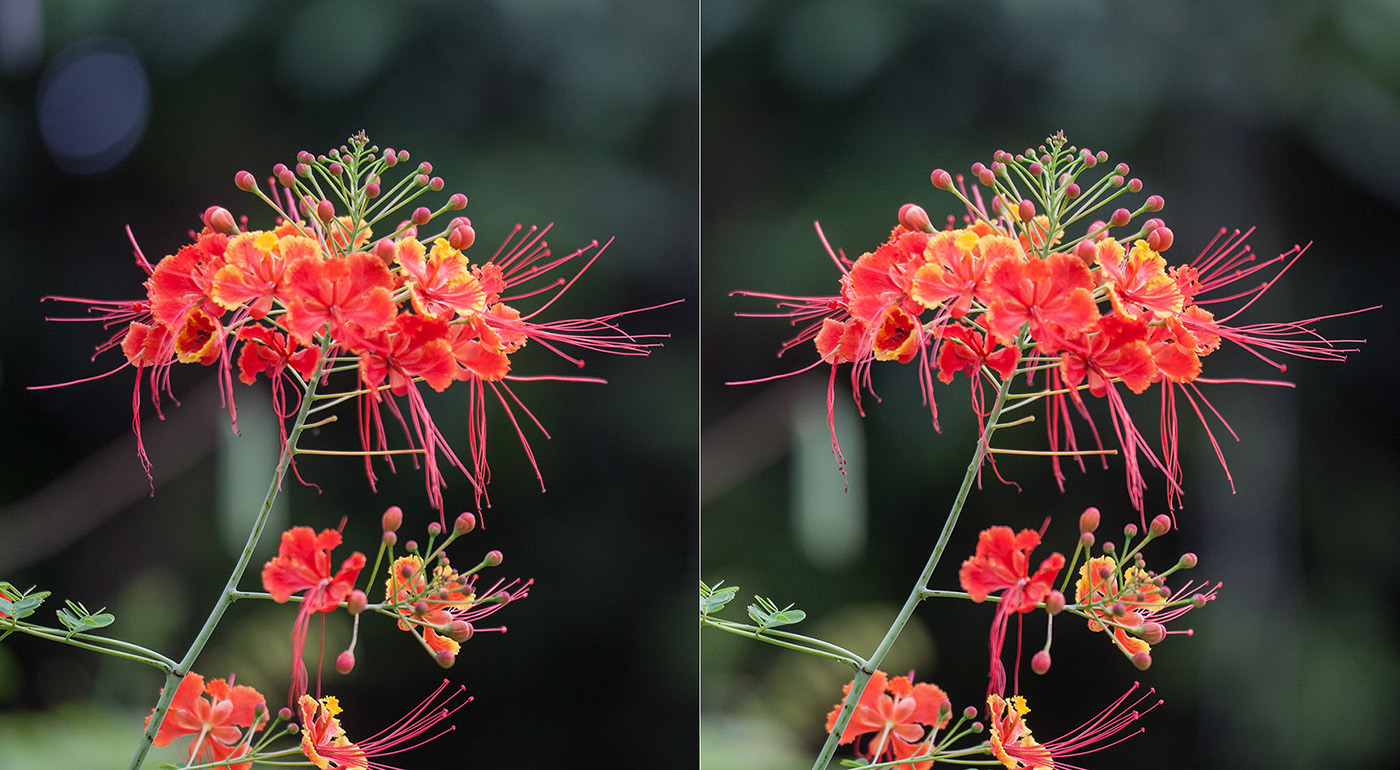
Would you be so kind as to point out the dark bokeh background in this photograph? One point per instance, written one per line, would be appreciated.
(139, 113)
(1280, 115)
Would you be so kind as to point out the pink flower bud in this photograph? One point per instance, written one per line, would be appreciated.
(986, 177)
(913, 217)
(436, 184)
(422, 215)
(459, 630)
(1161, 525)
(1142, 660)
(1121, 169)
(1086, 540)
(1088, 157)
(356, 602)
(941, 179)
(445, 658)
(1036, 169)
(345, 662)
(1120, 217)
(1130, 531)
(372, 190)
(303, 170)
(425, 167)
(335, 169)
(284, 713)
(465, 523)
(1188, 561)
(403, 156)
(285, 178)
(244, 181)
(384, 249)
(1154, 203)
(1054, 602)
(1152, 633)
(1089, 520)
(218, 219)
(434, 529)
(1025, 210)
(305, 157)
(1087, 254)
(462, 237)
(390, 159)
(1040, 662)
(1160, 240)
(493, 559)
(420, 180)
(457, 202)
(1072, 190)
(1134, 185)
(389, 539)
(325, 210)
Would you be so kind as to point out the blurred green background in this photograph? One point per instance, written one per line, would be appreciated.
(1281, 115)
(139, 113)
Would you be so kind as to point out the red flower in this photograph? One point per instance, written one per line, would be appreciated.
(303, 563)
(214, 714)
(325, 743)
(1002, 563)
(900, 717)
(1012, 743)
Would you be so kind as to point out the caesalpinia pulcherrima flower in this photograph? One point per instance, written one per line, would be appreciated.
(1002, 563)
(303, 564)
(220, 717)
(1011, 740)
(344, 289)
(1032, 283)
(896, 719)
(440, 606)
(325, 743)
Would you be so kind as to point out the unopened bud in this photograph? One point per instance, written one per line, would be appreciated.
(462, 237)
(1089, 520)
(244, 181)
(1152, 633)
(1040, 662)
(1088, 157)
(393, 516)
(436, 184)
(335, 169)
(1087, 253)
(459, 631)
(1115, 181)
(457, 202)
(1143, 660)
(325, 210)
(384, 249)
(970, 712)
(1121, 169)
(218, 219)
(303, 170)
(941, 179)
(305, 157)
(285, 178)
(390, 159)
(434, 529)
(1118, 609)
(411, 546)
(403, 156)
(372, 190)
(1036, 169)
(465, 523)
(493, 559)
(420, 180)
(1154, 203)
(986, 177)
(913, 217)
(422, 215)
(1188, 560)
(1120, 217)
(356, 602)
(1108, 547)
(1160, 239)
(1134, 185)
(445, 658)
(1161, 525)
(421, 608)
(1072, 190)
(284, 713)
(1054, 602)
(1025, 210)
(1086, 540)
(389, 539)
(1130, 531)
(345, 662)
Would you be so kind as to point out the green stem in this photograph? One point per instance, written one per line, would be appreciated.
(868, 667)
(175, 675)
(107, 646)
(787, 640)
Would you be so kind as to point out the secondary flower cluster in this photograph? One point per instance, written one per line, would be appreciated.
(1033, 284)
(341, 283)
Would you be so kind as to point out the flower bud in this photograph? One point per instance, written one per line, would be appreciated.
(1188, 560)
(493, 558)
(1161, 525)
(406, 571)
(986, 177)
(941, 179)
(1152, 633)
(445, 658)
(913, 217)
(389, 539)
(1115, 181)
(390, 159)
(1120, 217)
(372, 190)
(1086, 540)
(1102, 156)
(1130, 531)
(462, 237)
(436, 184)
(457, 202)
(1054, 602)
(465, 523)
(284, 713)
(384, 249)
(1040, 662)
(244, 181)
(1087, 253)
(303, 170)
(1142, 660)
(422, 215)
(1118, 609)
(459, 631)
(325, 210)
(392, 518)
(218, 219)
(1025, 210)
(1088, 157)
(285, 178)
(1108, 547)
(335, 169)
(345, 662)
(1160, 240)
(1036, 169)
(1089, 520)
(420, 180)
(434, 529)
(421, 608)
(356, 602)
(403, 156)
(1134, 185)
(1154, 203)
(1072, 190)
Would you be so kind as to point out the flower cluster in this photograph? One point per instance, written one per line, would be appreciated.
(322, 292)
(216, 715)
(897, 718)
(1033, 284)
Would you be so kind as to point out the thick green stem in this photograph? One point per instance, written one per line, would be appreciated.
(172, 679)
(918, 594)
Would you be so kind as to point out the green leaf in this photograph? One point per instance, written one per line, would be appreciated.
(767, 615)
(25, 602)
(77, 618)
(713, 599)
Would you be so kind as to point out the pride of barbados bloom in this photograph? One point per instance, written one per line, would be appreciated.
(349, 287)
(895, 719)
(1002, 563)
(326, 744)
(1011, 741)
(1043, 281)
(220, 718)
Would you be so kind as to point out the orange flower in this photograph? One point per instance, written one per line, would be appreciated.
(440, 608)
(1002, 563)
(214, 714)
(900, 718)
(1012, 743)
(325, 743)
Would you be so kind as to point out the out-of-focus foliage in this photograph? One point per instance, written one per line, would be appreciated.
(1280, 115)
